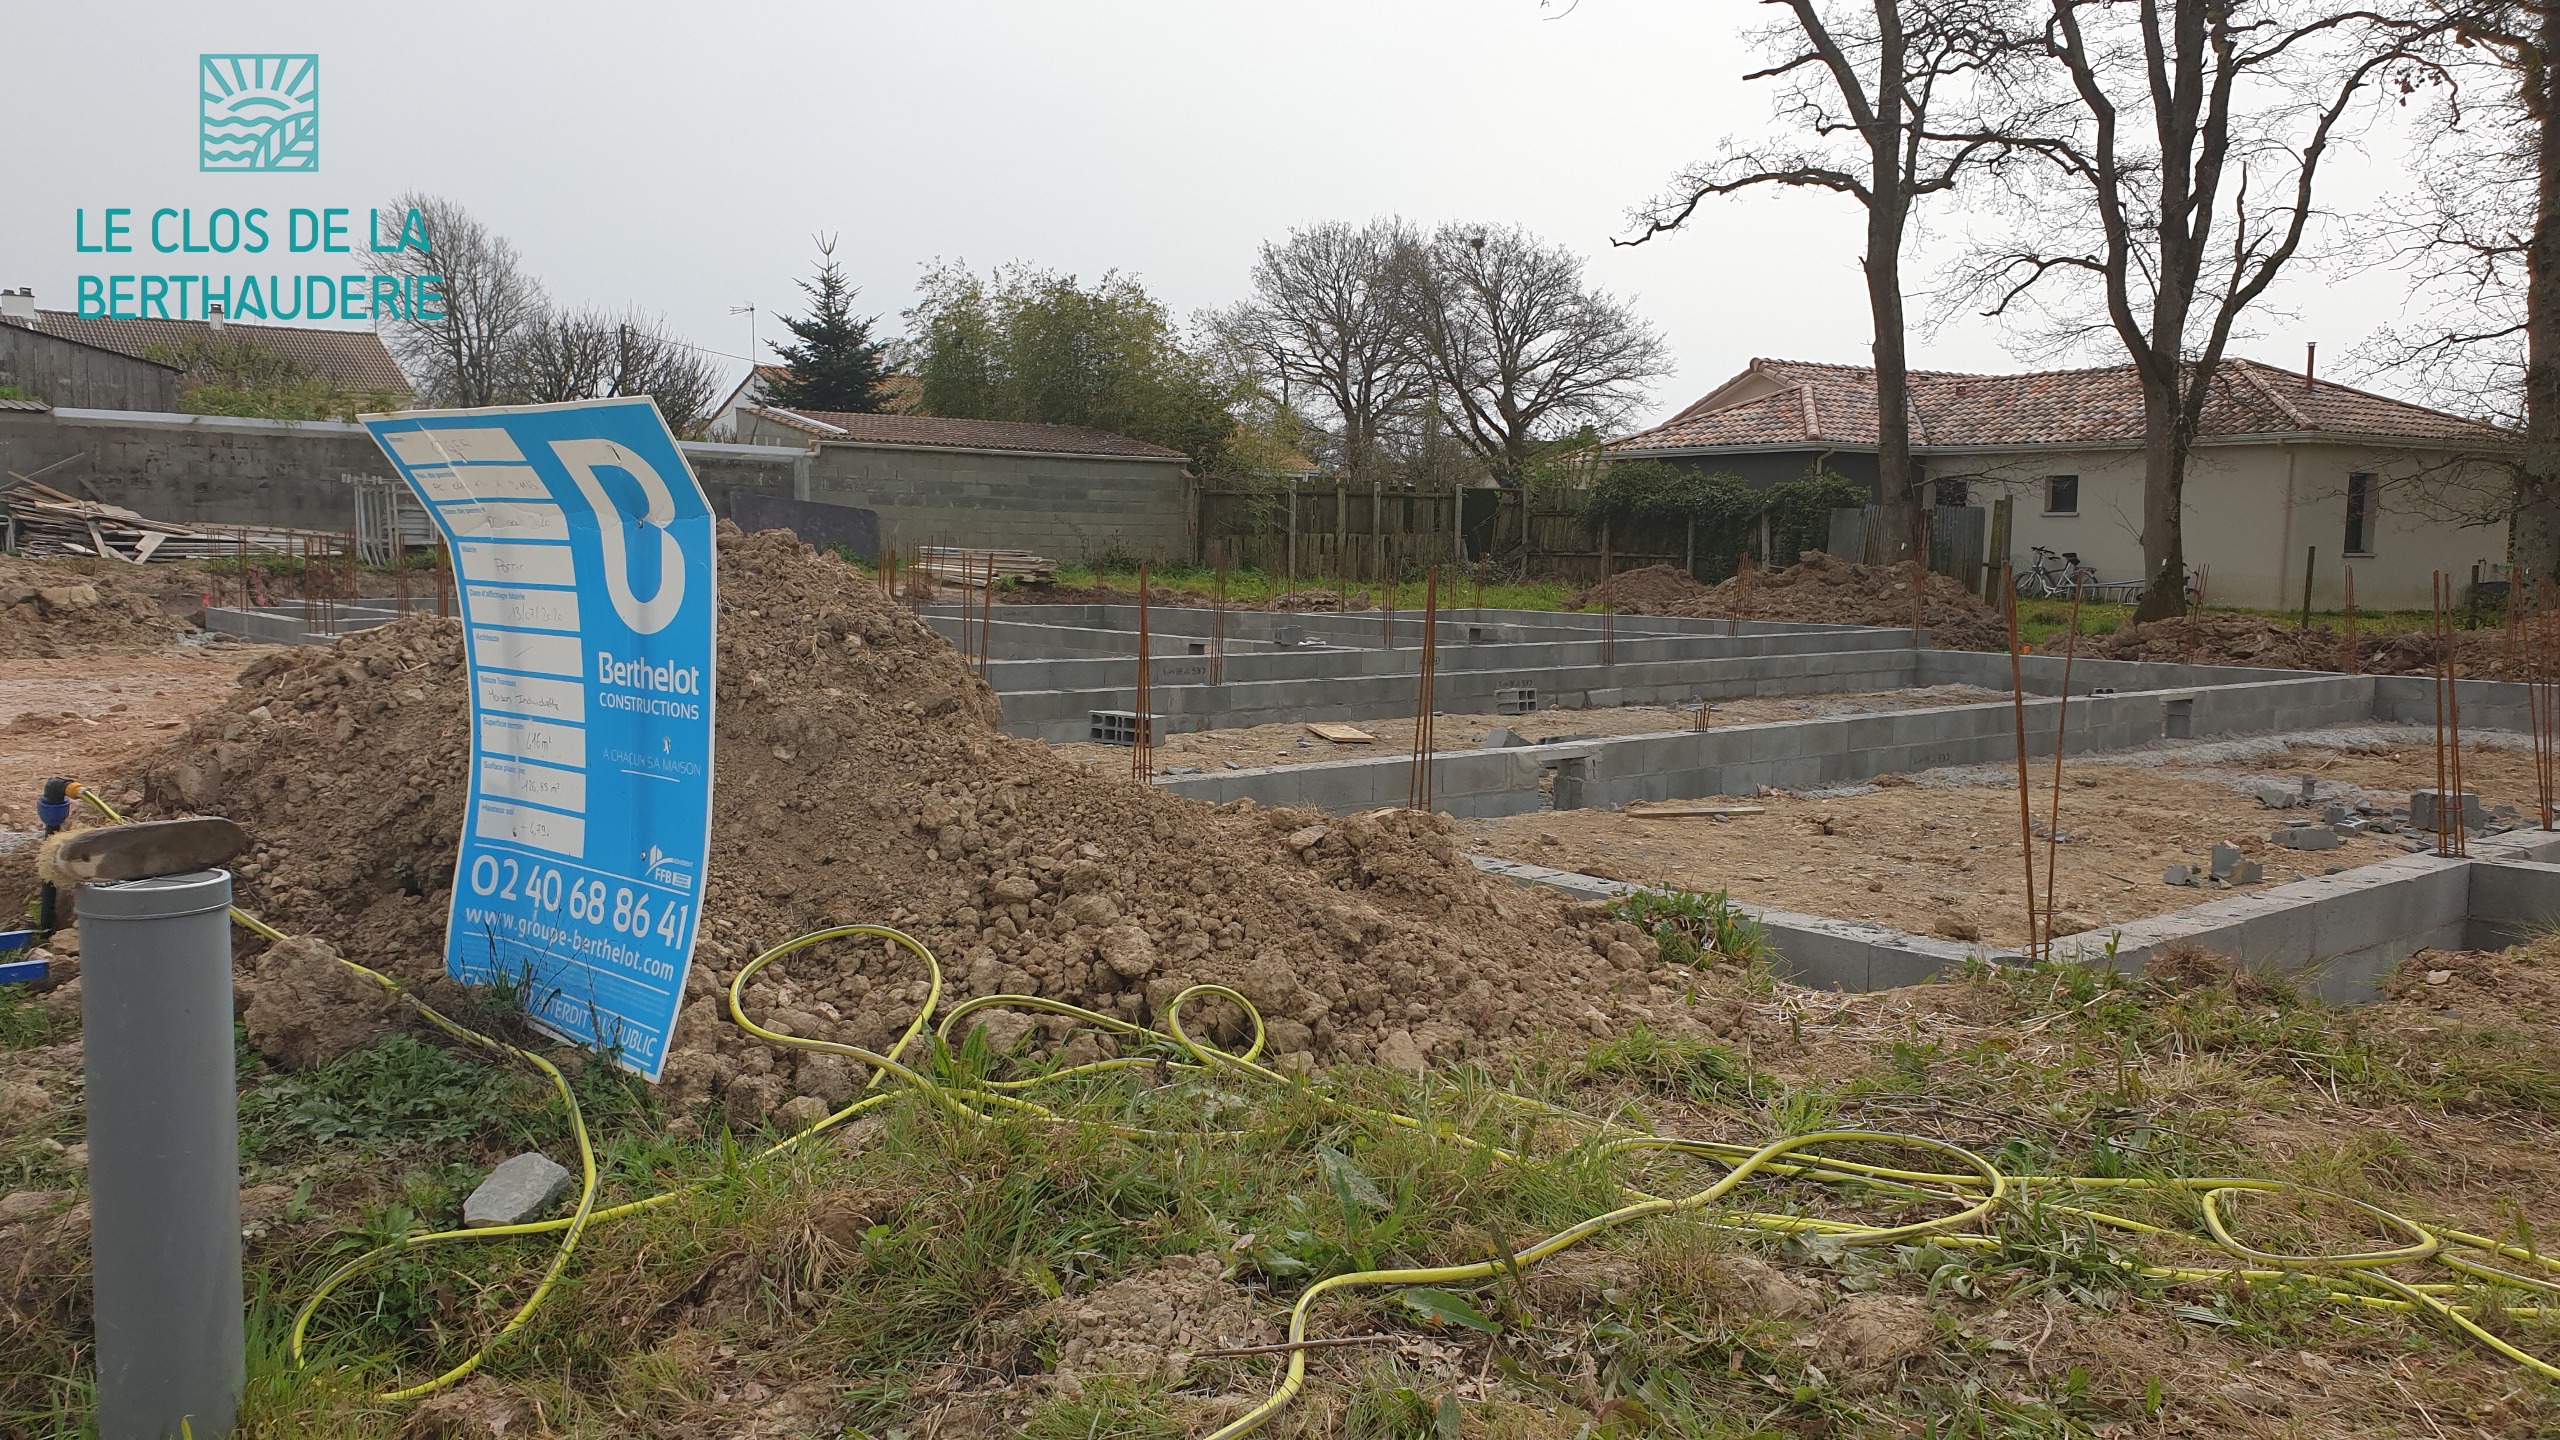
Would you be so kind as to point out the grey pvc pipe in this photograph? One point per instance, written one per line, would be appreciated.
(164, 1154)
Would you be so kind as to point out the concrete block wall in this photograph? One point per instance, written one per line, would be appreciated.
(220, 470)
(1064, 507)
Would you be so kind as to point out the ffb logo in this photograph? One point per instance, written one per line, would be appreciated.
(259, 112)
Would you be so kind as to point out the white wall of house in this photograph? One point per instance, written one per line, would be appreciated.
(2253, 510)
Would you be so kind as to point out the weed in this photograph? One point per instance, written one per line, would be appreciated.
(1688, 926)
(23, 1023)
(402, 1093)
(1668, 1065)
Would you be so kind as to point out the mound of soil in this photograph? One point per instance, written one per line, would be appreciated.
(2222, 638)
(1822, 589)
(1652, 590)
(862, 777)
(50, 609)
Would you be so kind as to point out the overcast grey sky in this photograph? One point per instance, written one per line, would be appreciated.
(681, 156)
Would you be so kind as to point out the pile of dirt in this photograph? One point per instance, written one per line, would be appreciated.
(2223, 638)
(50, 609)
(1652, 590)
(862, 777)
(1822, 589)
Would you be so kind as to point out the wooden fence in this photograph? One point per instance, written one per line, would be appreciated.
(1360, 534)
(1956, 539)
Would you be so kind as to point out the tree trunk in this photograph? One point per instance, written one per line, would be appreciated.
(2535, 529)
(2164, 485)
(1897, 489)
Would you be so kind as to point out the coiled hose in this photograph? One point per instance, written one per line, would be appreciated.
(1972, 1187)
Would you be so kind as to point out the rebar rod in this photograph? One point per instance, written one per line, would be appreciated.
(1425, 741)
(2061, 733)
(2018, 712)
(1142, 760)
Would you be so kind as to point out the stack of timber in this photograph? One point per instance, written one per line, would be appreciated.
(41, 520)
(954, 565)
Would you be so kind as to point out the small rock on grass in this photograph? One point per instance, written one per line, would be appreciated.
(519, 1190)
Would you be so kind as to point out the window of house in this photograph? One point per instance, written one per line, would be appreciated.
(1953, 493)
(2062, 494)
(2359, 514)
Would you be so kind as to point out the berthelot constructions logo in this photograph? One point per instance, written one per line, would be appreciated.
(259, 112)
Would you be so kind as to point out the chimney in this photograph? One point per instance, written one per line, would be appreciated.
(213, 317)
(2310, 353)
(18, 306)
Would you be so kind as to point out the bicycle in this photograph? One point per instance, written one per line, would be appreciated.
(2054, 575)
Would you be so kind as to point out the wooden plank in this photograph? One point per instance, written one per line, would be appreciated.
(1340, 734)
(1675, 811)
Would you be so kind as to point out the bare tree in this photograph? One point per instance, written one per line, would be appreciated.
(1323, 319)
(1885, 91)
(1516, 348)
(464, 358)
(2183, 184)
(590, 354)
(2483, 249)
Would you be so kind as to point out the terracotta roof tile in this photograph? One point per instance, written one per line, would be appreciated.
(937, 431)
(355, 359)
(1835, 405)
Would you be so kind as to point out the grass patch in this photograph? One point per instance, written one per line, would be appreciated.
(1691, 928)
(23, 1023)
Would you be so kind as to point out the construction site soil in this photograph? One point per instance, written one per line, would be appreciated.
(2226, 638)
(1937, 854)
(1646, 590)
(862, 778)
(1295, 744)
(1821, 589)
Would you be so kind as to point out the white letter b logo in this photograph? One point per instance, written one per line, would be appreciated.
(645, 617)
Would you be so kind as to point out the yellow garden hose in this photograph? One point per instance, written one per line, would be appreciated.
(1973, 1189)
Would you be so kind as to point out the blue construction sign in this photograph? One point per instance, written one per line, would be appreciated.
(583, 558)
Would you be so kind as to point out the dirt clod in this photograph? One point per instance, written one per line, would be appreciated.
(306, 1009)
(1150, 1325)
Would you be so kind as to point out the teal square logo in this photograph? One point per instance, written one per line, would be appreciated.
(259, 112)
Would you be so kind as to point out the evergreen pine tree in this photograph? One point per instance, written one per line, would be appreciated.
(836, 365)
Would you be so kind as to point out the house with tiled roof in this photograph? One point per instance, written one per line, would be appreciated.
(352, 360)
(1070, 492)
(2290, 474)
(899, 395)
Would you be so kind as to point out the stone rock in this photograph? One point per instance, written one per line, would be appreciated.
(2306, 837)
(1308, 838)
(519, 1190)
(306, 1008)
(62, 599)
(1128, 951)
(27, 1204)
(2226, 859)
(2426, 805)
(800, 1112)
(1502, 736)
(1397, 1051)
(2249, 873)
(2178, 875)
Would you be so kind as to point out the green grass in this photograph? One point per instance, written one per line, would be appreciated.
(896, 1276)
(1689, 927)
